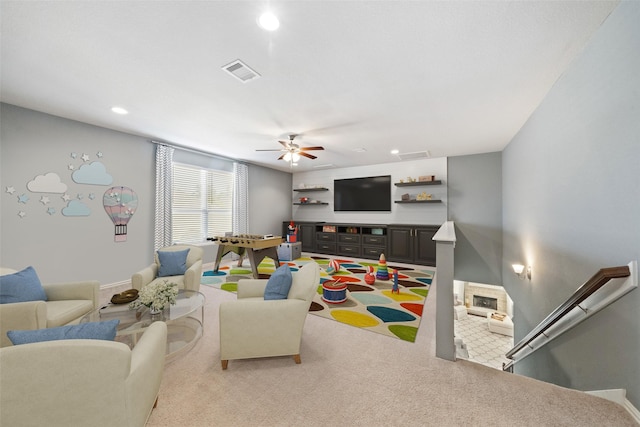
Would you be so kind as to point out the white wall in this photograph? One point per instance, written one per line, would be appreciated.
(424, 214)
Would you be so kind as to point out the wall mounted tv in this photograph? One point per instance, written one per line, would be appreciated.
(372, 193)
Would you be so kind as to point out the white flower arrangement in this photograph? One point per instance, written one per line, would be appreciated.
(156, 296)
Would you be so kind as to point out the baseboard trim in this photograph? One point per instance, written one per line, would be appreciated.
(116, 284)
(619, 396)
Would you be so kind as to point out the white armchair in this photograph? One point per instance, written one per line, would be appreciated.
(66, 304)
(252, 327)
(189, 281)
(82, 382)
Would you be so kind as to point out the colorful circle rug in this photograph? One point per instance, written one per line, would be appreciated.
(391, 307)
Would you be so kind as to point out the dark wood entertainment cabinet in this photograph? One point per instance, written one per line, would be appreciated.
(411, 244)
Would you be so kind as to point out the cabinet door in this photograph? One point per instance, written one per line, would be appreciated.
(307, 236)
(400, 244)
(425, 246)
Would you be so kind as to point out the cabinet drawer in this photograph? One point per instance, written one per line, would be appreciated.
(326, 237)
(372, 251)
(353, 250)
(374, 240)
(326, 247)
(349, 238)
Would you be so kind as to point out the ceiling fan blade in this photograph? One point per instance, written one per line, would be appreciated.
(281, 157)
(271, 150)
(307, 155)
(311, 148)
(285, 144)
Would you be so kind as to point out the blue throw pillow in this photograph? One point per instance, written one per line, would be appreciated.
(172, 263)
(88, 331)
(22, 286)
(279, 284)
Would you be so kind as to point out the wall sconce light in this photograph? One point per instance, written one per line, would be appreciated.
(522, 271)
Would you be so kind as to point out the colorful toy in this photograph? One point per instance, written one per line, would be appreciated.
(369, 276)
(382, 273)
(395, 289)
(334, 267)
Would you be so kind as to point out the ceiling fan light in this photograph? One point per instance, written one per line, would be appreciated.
(287, 157)
(295, 157)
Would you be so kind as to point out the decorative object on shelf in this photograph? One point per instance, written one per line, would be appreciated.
(423, 196)
(156, 296)
(125, 297)
(370, 277)
(409, 179)
(406, 196)
(328, 228)
(402, 181)
(304, 200)
(382, 273)
(427, 178)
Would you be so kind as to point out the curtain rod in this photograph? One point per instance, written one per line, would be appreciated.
(196, 151)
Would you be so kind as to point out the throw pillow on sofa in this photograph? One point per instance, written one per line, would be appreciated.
(279, 284)
(88, 331)
(172, 263)
(22, 286)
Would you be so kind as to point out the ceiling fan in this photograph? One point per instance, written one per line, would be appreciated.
(293, 151)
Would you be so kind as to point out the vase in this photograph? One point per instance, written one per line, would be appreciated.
(154, 310)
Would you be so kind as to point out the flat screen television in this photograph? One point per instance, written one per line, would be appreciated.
(372, 193)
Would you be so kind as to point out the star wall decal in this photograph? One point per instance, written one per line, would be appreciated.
(22, 214)
(71, 167)
(85, 157)
(23, 198)
(65, 197)
(11, 190)
(92, 196)
(80, 196)
(51, 211)
(74, 155)
(44, 200)
(99, 154)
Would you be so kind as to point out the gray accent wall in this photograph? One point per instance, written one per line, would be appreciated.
(475, 206)
(571, 206)
(81, 246)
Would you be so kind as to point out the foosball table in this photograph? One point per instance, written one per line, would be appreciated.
(255, 246)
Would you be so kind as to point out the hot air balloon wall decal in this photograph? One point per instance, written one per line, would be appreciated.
(120, 203)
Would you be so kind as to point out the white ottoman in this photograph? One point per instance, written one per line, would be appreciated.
(459, 312)
(504, 326)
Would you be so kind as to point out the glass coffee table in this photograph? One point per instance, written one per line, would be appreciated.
(184, 319)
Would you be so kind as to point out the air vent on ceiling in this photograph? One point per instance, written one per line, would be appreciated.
(241, 71)
(414, 156)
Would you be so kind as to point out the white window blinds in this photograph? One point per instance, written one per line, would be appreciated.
(201, 203)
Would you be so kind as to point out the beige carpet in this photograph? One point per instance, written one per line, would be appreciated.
(351, 377)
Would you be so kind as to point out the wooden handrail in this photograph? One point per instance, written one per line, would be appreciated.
(598, 280)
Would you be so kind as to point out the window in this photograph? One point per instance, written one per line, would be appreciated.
(201, 204)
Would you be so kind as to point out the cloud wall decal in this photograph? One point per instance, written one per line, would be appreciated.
(76, 208)
(47, 183)
(94, 173)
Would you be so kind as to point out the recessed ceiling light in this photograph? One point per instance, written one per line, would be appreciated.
(119, 110)
(268, 21)
(395, 151)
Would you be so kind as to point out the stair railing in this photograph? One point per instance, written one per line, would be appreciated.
(588, 299)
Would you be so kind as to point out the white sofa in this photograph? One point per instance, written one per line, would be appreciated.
(67, 303)
(252, 327)
(189, 281)
(71, 383)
